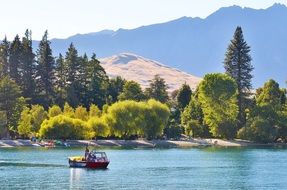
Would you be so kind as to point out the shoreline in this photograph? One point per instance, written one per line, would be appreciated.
(195, 142)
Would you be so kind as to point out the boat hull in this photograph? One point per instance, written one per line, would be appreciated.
(97, 165)
(77, 163)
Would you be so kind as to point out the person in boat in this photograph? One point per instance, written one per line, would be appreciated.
(87, 153)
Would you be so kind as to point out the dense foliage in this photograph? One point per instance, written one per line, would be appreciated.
(71, 97)
(122, 119)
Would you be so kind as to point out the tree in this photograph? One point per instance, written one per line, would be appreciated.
(192, 119)
(84, 79)
(183, 96)
(10, 102)
(38, 115)
(54, 111)
(173, 128)
(28, 67)
(63, 127)
(72, 64)
(116, 86)
(4, 57)
(45, 72)
(217, 96)
(271, 94)
(94, 111)
(61, 80)
(128, 118)
(157, 89)
(15, 60)
(132, 91)
(99, 83)
(156, 116)
(237, 64)
(24, 125)
(99, 126)
(266, 122)
(81, 113)
(68, 111)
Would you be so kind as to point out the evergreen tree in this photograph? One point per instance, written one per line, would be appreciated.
(72, 64)
(237, 64)
(45, 72)
(60, 83)
(132, 91)
(116, 86)
(15, 60)
(99, 82)
(184, 95)
(157, 89)
(28, 67)
(85, 80)
(4, 56)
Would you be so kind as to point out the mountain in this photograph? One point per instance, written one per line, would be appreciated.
(142, 70)
(198, 45)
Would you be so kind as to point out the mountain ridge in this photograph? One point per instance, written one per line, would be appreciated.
(197, 45)
(142, 70)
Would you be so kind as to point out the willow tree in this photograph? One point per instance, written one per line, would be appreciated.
(237, 64)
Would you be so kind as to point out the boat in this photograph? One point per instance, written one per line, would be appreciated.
(93, 160)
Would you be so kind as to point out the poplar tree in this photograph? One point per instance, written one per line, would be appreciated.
(45, 71)
(237, 64)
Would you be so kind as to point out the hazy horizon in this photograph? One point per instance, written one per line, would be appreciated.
(85, 16)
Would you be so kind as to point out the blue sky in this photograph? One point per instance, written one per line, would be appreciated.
(64, 18)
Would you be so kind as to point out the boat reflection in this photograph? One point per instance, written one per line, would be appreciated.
(75, 176)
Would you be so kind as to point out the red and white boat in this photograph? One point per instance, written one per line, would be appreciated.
(94, 160)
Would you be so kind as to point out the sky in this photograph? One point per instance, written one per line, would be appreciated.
(64, 18)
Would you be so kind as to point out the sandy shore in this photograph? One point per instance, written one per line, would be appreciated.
(142, 143)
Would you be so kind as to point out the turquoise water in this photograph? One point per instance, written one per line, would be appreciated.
(196, 168)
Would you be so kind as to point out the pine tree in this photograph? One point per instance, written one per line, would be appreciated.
(85, 80)
(132, 91)
(237, 64)
(99, 82)
(116, 86)
(45, 72)
(184, 95)
(15, 60)
(4, 56)
(28, 67)
(157, 89)
(61, 81)
(72, 64)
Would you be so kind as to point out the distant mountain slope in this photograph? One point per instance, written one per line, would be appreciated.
(142, 70)
(198, 45)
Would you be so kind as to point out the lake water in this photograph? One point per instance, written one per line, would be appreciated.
(194, 168)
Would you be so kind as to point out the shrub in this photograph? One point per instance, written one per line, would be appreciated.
(63, 127)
